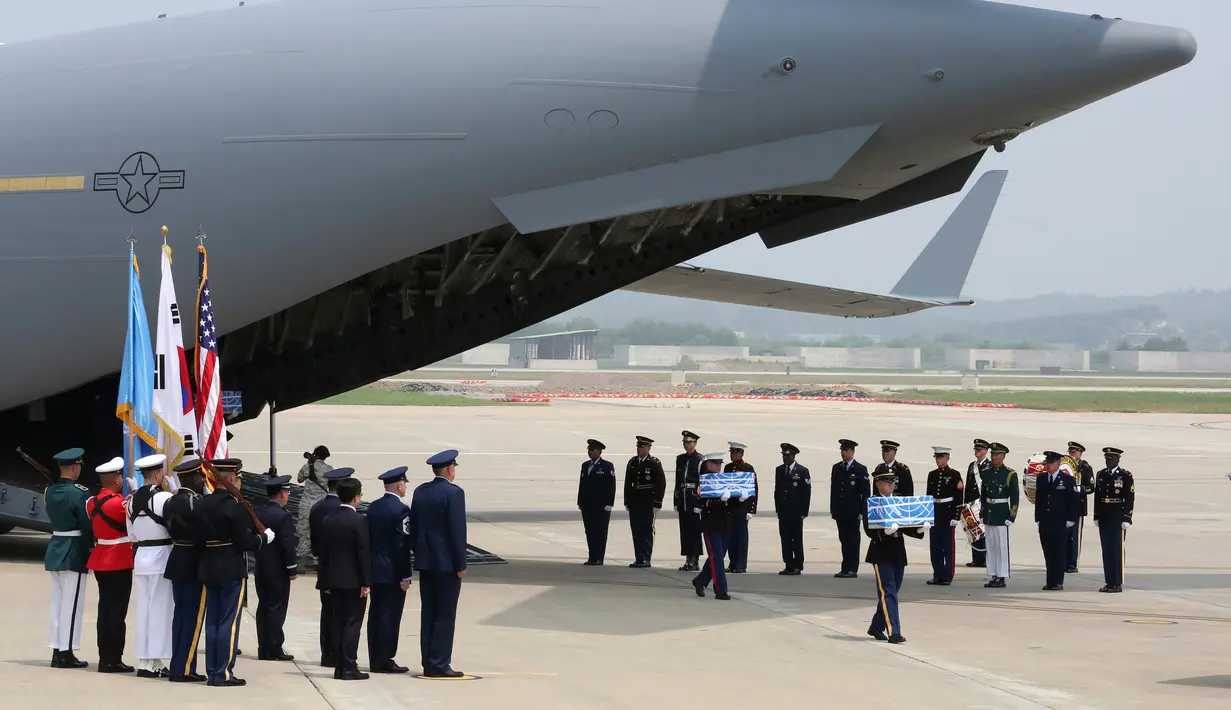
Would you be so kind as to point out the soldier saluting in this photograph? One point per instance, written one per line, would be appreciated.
(685, 501)
(792, 498)
(72, 536)
(1114, 494)
(1085, 482)
(644, 487)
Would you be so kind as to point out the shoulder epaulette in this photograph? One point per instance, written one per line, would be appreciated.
(87, 490)
(655, 459)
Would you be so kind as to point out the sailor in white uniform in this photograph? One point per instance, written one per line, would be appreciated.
(151, 549)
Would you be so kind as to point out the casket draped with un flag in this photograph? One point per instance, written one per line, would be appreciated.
(737, 483)
(906, 511)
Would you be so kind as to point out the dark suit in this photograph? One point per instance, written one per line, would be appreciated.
(1056, 504)
(389, 533)
(438, 532)
(848, 494)
(276, 563)
(1086, 471)
(186, 588)
(596, 494)
(346, 568)
(792, 498)
(887, 555)
(316, 537)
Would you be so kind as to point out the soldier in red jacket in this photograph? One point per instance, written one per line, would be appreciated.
(111, 560)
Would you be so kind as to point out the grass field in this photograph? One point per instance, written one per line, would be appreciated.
(1156, 402)
(373, 395)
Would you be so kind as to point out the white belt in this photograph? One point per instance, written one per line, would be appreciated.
(66, 533)
(999, 500)
(945, 500)
(113, 541)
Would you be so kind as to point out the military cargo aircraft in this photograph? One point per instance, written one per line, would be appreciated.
(385, 183)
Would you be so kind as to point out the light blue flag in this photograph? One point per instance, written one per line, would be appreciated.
(135, 403)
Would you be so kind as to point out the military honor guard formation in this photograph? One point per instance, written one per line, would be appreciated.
(184, 556)
(714, 503)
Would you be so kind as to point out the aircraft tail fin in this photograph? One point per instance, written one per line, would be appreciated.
(941, 269)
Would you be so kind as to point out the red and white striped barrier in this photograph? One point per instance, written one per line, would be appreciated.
(521, 400)
(472, 382)
(791, 398)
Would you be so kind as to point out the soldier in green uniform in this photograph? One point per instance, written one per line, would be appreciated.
(998, 498)
(72, 538)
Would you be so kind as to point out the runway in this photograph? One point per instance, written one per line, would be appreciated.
(545, 632)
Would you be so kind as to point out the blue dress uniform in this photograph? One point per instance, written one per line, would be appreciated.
(848, 495)
(792, 498)
(223, 569)
(1085, 476)
(276, 566)
(438, 533)
(716, 516)
(1056, 507)
(740, 515)
(685, 500)
(72, 537)
(645, 484)
(945, 486)
(316, 517)
(1114, 493)
(183, 573)
(596, 492)
(389, 536)
(887, 555)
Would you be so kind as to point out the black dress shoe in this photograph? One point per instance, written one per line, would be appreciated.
(115, 668)
(589, 563)
(232, 683)
(282, 656)
(390, 668)
(932, 581)
(160, 673)
(723, 597)
(698, 589)
(350, 675)
(196, 677)
(68, 660)
(442, 673)
(1071, 570)
(186, 678)
(878, 635)
(945, 582)
(974, 564)
(1053, 588)
(897, 638)
(1116, 589)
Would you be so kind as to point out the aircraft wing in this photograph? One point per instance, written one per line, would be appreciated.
(934, 279)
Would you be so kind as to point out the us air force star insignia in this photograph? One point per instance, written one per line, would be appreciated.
(138, 182)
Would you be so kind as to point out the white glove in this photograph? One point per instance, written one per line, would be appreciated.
(742, 496)
(893, 528)
(1125, 525)
(1069, 524)
(953, 523)
(269, 535)
(697, 511)
(1096, 523)
(607, 508)
(927, 526)
(1008, 523)
(726, 496)
(749, 516)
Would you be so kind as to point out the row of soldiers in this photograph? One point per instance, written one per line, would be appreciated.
(987, 481)
(187, 553)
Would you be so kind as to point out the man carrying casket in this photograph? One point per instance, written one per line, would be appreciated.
(716, 513)
(887, 555)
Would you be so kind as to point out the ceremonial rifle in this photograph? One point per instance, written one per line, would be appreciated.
(235, 493)
(37, 466)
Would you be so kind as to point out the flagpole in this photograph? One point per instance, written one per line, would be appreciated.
(132, 466)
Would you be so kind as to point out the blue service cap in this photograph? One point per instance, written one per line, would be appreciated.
(68, 457)
(444, 458)
(1051, 457)
(189, 466)
(279, 482)
(339, 473)
(394, 475)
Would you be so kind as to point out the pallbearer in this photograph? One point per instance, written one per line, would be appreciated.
(848, 495)
(998, 499)
(887, 555)
(72, 536)
(183, 572)
(389, 537)
(1085, 480)
(715, 523)
(644, 487)
(687, 470)
(151, 550)
(276, 567)
(111, 560)
(742, 511)
(792, 498)
(974, 474)
(596, 492)
(1114, 494)
(945, 487)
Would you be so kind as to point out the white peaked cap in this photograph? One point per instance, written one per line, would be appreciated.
(736, 445)
(153, 461)
(941, 449)
(715, 456)
(113, 466)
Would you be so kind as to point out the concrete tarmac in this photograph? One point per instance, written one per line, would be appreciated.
(545, 632)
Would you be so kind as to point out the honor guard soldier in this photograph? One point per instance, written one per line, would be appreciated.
(182, 572)
(687, 478)
(745, 508)
(974, 474)
(228, 533)
(111, 561)
(1056, 508)
(998, 500)
(945, 487)
(644, 487)
(277, 565)
(889, 454)
(848, 495)
(887, 555)
(438, 532)
(1085, 481)
(716, 516)
(1114, 493)
(792, 497)
(151, 548)
(72, 536)
(596, 493)
(346, 571)
(316, 517)
(389, 535)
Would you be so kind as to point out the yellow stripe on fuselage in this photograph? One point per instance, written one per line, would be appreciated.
(42, 183)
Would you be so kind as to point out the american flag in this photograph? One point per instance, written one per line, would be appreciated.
(212, 441)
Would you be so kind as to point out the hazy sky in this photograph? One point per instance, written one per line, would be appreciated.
(1127, 196)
